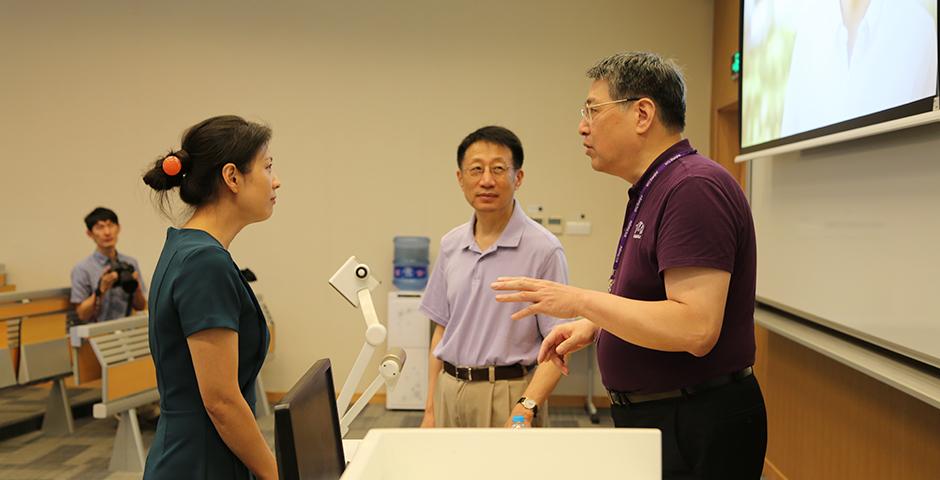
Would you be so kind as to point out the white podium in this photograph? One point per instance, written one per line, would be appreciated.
(457, 454)
(410, 330)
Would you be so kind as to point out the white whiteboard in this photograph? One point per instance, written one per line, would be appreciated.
(849, 235)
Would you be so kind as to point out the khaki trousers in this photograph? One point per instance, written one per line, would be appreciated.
(458, 403)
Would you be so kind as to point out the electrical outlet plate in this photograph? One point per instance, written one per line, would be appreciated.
(579, 227)
(536, 213)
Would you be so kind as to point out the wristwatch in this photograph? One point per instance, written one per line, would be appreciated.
(530, 404)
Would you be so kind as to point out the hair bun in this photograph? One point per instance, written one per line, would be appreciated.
(168, 171)
(182, 155)
(204, 149)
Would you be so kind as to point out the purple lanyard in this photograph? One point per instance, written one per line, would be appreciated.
(628, 221)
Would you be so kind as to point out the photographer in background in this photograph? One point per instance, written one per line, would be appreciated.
(106, 285)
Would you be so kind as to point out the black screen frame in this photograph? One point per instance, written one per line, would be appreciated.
(291, 464)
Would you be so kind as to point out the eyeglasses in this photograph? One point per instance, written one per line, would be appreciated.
(589, 110)
(497, 170)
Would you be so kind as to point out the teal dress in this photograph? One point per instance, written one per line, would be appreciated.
(197, 286)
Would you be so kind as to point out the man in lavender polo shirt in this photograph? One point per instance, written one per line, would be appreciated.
(95, 294)
(675, 335)
(482, 366)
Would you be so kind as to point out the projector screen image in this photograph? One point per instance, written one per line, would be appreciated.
(815, 67)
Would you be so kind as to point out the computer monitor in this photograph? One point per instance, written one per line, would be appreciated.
(307, 437)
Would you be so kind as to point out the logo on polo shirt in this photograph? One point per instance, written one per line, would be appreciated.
(638, 230)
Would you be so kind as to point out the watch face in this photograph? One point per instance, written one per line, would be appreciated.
(528, 403)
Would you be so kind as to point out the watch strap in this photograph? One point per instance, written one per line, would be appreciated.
(535, 406)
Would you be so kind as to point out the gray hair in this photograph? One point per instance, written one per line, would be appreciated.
(645, 74)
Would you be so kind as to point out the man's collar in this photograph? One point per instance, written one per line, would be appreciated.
(511, 236)
(678, 147)
(100, 257)
(872, 15)
(870, 20)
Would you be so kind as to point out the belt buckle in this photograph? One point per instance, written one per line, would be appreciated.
(469, 374)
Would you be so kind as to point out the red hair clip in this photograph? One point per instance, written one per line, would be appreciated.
(172, 165)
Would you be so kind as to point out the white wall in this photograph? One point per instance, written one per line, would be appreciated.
(368, 101)
(847, 233)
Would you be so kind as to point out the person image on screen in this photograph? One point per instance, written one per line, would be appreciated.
(857, 57)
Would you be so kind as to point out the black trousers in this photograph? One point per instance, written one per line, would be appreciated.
(717, 434)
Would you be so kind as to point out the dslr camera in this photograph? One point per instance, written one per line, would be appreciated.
(125, 273)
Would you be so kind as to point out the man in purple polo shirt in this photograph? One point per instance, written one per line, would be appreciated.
(96, 293)
(675, 334)
(482, 367)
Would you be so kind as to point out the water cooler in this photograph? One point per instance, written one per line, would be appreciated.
(409, 329)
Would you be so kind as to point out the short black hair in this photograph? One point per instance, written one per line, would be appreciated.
(496, 135)
(645, 74)
(100, 214)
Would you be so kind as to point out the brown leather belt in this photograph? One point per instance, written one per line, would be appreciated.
(476, 374)
(627, 398)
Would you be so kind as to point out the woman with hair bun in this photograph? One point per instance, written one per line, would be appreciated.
(208, 336)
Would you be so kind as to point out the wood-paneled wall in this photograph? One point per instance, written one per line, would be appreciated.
(825, 420)
(724, 112)
(829, 421)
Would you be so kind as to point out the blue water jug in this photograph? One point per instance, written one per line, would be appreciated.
(411, 263)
